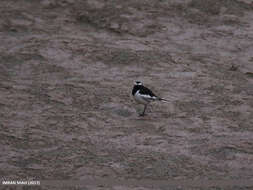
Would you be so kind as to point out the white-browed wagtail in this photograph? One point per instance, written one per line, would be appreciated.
(143, 95)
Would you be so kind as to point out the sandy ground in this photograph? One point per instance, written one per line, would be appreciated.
(67, 69)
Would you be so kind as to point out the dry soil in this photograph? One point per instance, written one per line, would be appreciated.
(67, 68)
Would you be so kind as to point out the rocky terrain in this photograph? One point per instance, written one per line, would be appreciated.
(67, 68)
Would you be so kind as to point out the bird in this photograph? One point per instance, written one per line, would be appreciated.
(144, 96)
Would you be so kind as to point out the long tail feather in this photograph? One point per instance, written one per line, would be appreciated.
(162, 99)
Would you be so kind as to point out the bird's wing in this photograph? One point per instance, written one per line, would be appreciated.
(147, 94)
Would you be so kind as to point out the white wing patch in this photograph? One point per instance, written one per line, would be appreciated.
(144, 98)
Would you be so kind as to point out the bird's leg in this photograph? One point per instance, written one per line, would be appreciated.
(143, 113)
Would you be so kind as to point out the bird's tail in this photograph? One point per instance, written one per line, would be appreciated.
(162, 99)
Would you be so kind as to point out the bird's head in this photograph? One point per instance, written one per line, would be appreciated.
(138, 83)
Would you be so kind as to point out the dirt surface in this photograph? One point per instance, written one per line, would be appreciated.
(67, 68)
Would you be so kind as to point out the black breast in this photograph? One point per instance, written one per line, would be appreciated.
(135, 89)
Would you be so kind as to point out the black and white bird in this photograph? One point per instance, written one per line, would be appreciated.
(143, 95)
